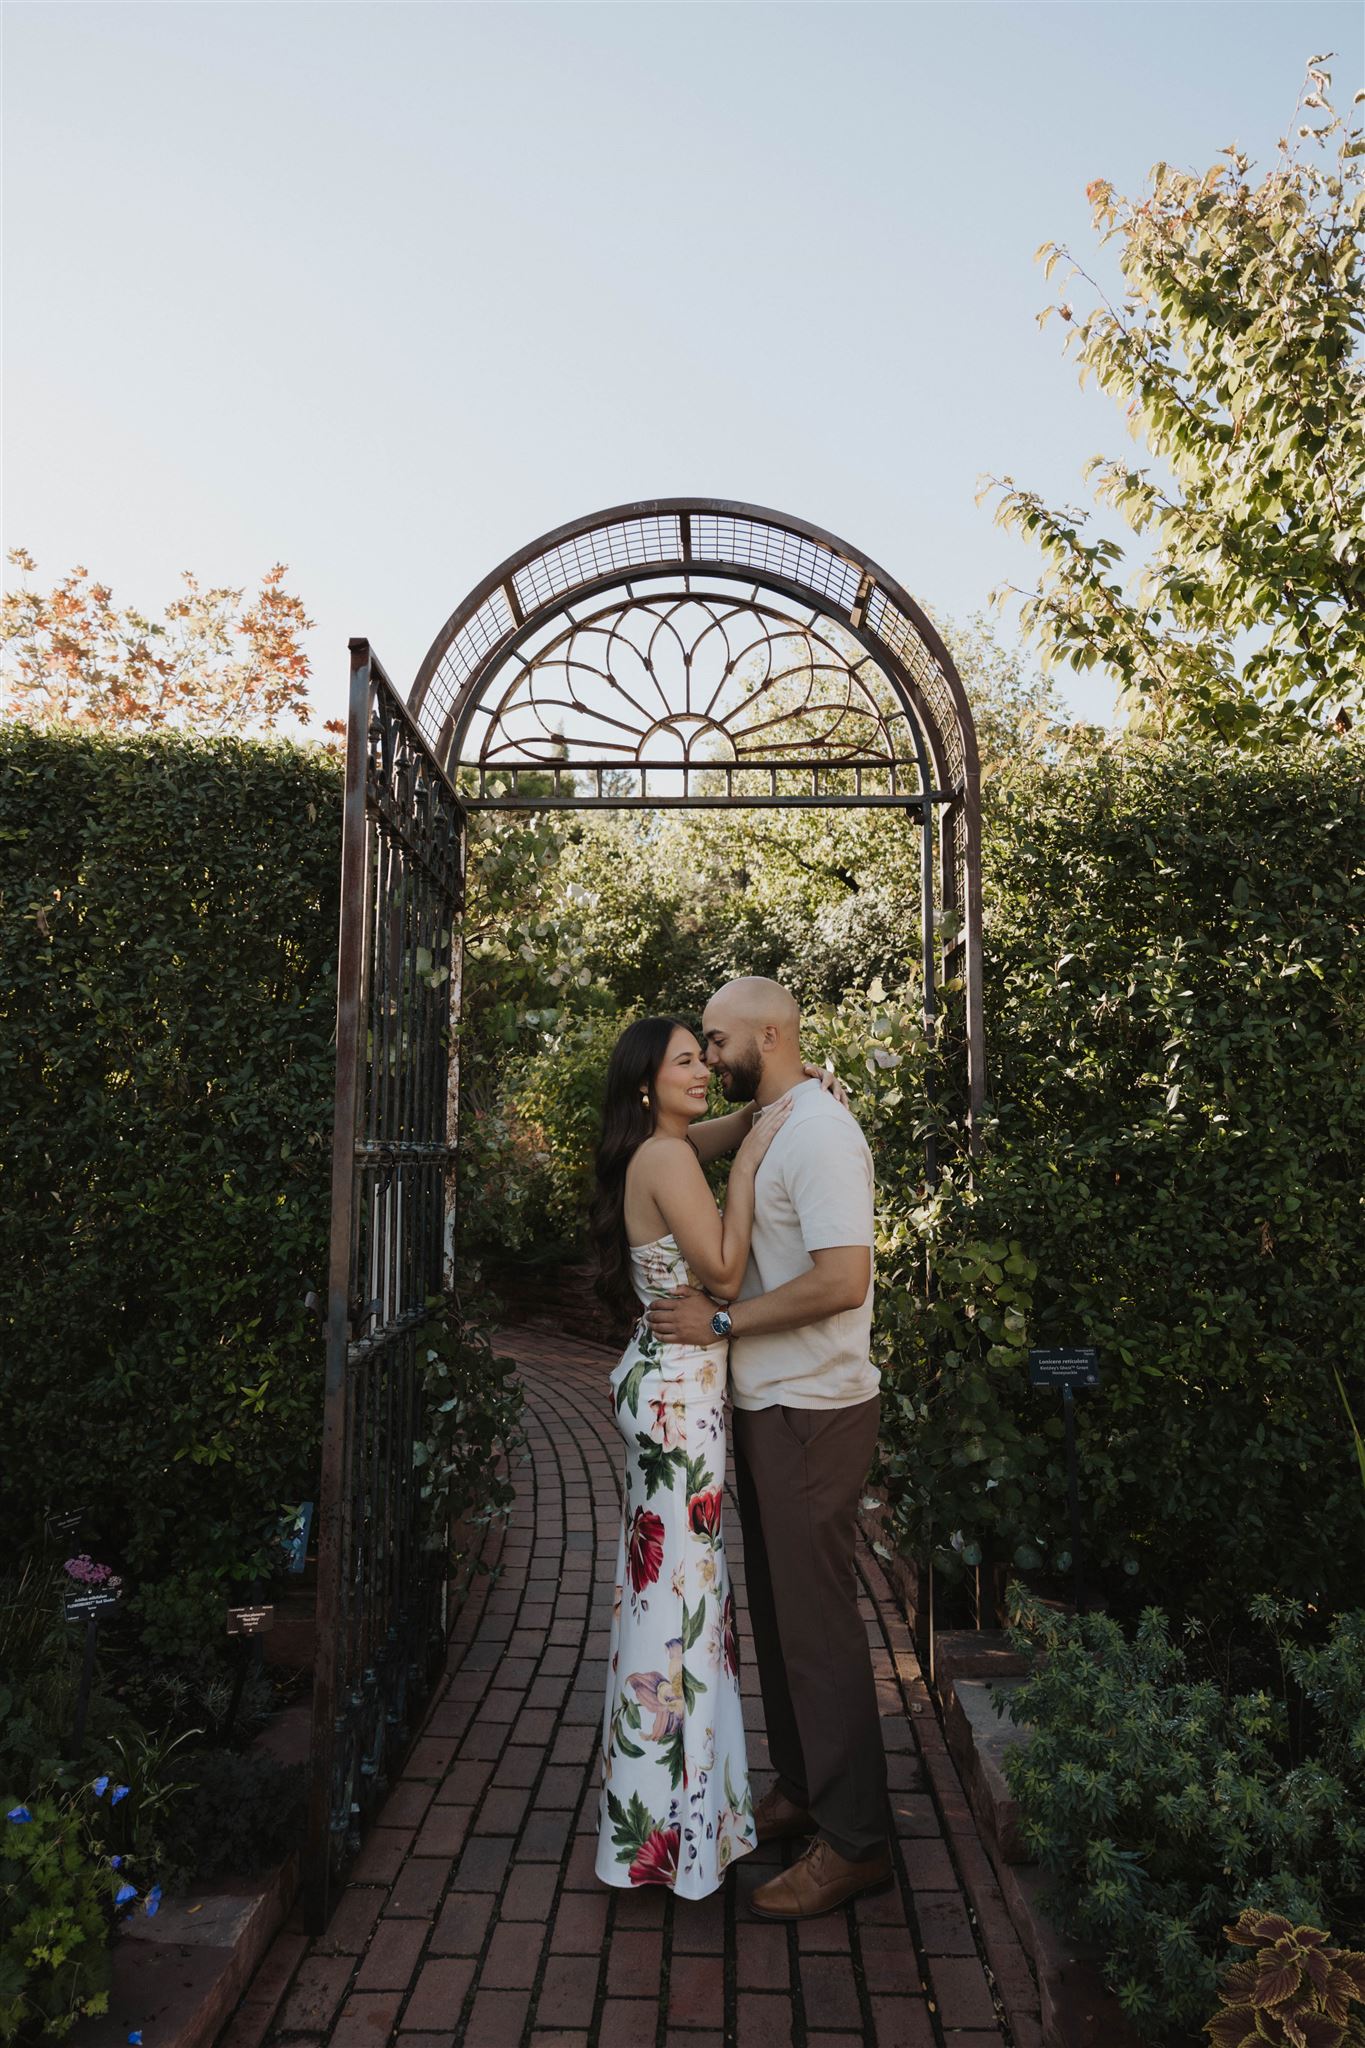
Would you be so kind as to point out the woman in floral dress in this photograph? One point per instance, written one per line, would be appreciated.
(675, 1806)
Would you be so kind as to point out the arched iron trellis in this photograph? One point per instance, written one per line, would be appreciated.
(679, 652)
(897, 731)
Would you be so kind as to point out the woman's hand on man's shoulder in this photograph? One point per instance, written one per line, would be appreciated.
(829, 1082)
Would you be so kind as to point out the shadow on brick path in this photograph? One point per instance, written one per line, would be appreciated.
(473, 1918)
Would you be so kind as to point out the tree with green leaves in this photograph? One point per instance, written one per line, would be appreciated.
(1235, 350)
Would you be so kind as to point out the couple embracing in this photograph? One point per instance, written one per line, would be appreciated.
(770, 1299)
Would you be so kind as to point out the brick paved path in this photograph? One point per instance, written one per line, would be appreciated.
(473, 1916)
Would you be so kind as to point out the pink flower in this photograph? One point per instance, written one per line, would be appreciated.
(87, 1573)
(657, 1860)
(645, 1549)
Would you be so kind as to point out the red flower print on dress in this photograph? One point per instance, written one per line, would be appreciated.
(645, 1550)
(657, 1859)
(729, 1640)
(703, 1514)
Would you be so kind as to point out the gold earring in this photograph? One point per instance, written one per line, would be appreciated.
(644, 1097)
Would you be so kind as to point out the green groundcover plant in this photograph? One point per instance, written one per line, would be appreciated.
(1163, 1796)
(75, 1861)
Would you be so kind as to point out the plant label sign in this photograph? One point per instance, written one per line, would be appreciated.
(1075, 1368)
(64, 1522)
(250, 1621)
(92, 1606)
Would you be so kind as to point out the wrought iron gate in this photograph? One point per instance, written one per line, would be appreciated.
(380, 1598)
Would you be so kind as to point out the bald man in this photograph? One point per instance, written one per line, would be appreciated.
(806, 1408)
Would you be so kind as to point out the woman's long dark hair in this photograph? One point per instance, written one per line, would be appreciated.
(635, 1062)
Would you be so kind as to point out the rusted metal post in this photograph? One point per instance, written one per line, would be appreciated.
(333, 1491)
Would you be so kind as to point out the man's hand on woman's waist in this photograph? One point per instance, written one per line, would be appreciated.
(837, 1280)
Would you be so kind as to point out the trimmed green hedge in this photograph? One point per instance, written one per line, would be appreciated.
(167, 999)
(1175, 1172)
(1175, 1028)
(1175, 1166)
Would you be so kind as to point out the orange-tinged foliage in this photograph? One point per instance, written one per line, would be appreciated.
(211, 665)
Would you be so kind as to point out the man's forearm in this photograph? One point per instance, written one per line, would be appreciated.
(806, 1299)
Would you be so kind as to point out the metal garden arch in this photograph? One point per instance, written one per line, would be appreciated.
(683, 651)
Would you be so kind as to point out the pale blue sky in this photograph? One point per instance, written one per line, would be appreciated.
(387, 290)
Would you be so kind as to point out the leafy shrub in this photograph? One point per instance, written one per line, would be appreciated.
(169, 914)
(56, 1919)
(242, 1812)
(1295, 1992)
(74, 1861)
(557, 1092)
(1175, 992)
(472, 1404)
(1175, 995)
(40, 1671)
(1161, 1801)
(504, 1169)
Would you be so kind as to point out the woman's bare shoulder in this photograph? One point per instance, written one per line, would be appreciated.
(662, 1155)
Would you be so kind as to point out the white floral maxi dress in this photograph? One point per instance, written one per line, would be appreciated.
(675, 1807)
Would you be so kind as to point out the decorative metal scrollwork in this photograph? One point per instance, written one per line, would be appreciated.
(682, 678)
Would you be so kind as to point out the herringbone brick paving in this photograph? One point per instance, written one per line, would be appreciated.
(473, 1918)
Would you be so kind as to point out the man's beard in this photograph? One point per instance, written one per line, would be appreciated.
(743, 1076)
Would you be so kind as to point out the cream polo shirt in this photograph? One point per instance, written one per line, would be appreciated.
(814, 1190)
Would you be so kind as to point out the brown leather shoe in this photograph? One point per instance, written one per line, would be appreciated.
(818, 1882)
(776, 1817)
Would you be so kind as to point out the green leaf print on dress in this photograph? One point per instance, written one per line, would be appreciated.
(698, 1474)
(691, 1687)
(691, 1624)
(657, 1465)
(628, 1393)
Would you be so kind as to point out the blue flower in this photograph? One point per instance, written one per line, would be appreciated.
(117, 1862)
(154, 1898)
(100, 1786)
(124, 1893)
(135, 2038)
(18, 1813)
(120, 1792)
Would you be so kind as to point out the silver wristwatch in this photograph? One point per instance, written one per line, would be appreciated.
(720, 1322)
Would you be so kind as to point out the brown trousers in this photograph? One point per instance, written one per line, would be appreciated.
(799, 1475)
